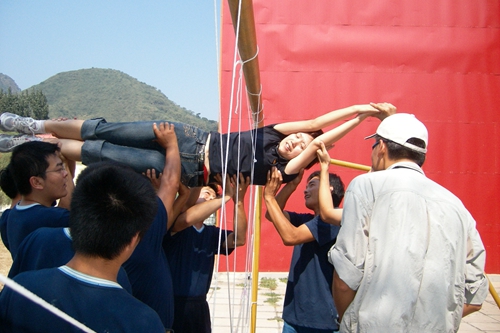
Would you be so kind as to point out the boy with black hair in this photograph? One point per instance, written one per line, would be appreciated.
(112, 208)
(191, 247)
(308, 305)
(41, 178)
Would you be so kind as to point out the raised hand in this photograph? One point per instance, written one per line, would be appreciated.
(385, 110)
(239, 195)
(323, 156)
(165, 134)
(273, 184)
(155, 181)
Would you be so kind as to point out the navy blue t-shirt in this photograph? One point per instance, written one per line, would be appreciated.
(23, 220)
(308, 298)
(3, 228)
(191, 255)
(149, 272)
(48, 248)
(99, 304)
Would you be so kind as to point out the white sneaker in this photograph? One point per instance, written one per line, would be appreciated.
(10, 122)
(8, 142)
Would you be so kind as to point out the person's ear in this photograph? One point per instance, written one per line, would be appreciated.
(382, 148)
(37, 182)
(331, 189)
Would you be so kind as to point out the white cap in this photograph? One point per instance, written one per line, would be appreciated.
(401, 127)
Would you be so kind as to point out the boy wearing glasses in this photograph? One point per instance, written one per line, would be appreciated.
(41, 178)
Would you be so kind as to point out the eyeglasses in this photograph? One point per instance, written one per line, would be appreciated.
(375, 144)
(59, 170)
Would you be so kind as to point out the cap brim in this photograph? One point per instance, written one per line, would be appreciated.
(370, 136)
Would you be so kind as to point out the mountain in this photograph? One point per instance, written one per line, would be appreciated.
(6, 82)
(113, 95)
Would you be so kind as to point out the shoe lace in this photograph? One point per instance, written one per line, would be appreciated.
(20, 139)
(26, 123)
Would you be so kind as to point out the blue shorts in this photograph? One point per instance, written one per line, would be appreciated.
(133, 143)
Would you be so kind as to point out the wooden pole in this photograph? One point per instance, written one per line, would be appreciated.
(244, 27)
(493, 292)
(350, 165)
(247, 48)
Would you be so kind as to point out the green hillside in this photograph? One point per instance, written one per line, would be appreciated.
(116, 96)
(6, 82)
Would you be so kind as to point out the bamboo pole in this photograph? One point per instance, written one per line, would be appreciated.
(247, 48)
(350, 165)
(248, 52)
(493, 292)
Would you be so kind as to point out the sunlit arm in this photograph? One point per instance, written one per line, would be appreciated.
(342, 295)
(327, 211)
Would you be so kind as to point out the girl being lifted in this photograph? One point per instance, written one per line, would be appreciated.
(289, 146)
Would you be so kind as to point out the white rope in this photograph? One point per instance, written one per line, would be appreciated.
(252, 58)
(36, 299)
(235, 107)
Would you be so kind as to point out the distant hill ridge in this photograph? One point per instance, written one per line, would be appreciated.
(7, 82)
(116, 96)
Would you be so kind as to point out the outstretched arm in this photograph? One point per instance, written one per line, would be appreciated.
(238, 237)
(200, 212)
(327, 212)
(170, 179)
(290, 234)
(180, 201)
(329, 138)
(382, 110)
(325, 120)
(379, 110)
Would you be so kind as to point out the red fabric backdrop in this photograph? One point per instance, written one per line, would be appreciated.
(439, 60)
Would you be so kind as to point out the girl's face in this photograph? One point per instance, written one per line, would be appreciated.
(294, 144)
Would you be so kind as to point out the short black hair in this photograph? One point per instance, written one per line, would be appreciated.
(7, 183)
(111, 203)
(395, 151)
(337, 184)
(30, 159)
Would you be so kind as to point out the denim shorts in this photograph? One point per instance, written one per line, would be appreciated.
(133, 143)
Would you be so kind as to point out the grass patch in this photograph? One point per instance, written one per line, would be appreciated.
(269, 283)
(272, 299)
(284, 280)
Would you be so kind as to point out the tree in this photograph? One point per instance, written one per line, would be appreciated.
(27, 104)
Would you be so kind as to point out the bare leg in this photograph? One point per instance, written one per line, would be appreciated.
(71, 149)
(64, 129)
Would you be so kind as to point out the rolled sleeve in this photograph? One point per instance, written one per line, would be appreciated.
(476, 283)
(349, 253)
(348, 272)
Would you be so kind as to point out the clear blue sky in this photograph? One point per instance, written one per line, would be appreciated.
(170, 45)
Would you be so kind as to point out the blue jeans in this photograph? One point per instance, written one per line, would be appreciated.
(289, 328)
(133, 143)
